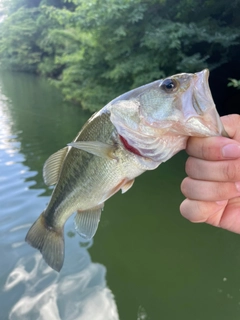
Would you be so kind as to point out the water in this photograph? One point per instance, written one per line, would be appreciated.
(146, 262)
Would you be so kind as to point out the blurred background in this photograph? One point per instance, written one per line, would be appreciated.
(95, 50)
(59, 62)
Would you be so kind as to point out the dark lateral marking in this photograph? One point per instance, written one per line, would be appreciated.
(129, 147)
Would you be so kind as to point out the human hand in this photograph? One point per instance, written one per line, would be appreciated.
(212, 187)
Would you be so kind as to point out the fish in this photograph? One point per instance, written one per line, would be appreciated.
(133, 133)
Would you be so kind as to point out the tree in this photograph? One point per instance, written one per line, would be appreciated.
(94, 50)
(18, 49)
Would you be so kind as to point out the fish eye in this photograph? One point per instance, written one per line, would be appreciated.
(169, 85)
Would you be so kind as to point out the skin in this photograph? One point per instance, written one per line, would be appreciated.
(212, 188)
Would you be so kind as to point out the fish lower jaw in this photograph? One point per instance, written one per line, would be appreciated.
(201, 128)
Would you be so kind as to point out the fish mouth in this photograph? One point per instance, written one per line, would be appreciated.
(204, 106)
(201, 98)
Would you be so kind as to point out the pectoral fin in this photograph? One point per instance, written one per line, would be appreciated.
(97, 148)
(86, 222)
(52, 167)
(127, 186)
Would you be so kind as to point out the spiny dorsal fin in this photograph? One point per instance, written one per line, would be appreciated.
(52, 167)
(97, 148)
(86, 222)
(127, 186)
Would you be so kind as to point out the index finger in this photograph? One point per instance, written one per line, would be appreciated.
(218, 148)
(231, 124)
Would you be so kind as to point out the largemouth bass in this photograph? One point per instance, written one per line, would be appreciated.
(133, 133)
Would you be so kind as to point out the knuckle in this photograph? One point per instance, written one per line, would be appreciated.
(193, 210)
(231, 171)
(184, 187)
(194, 168)
(188, 165)
(200, 215)
(206, 151)
(222, 190)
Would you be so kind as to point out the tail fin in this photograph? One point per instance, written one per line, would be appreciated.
(48, 241)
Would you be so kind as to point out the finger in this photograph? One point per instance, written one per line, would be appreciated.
(209, 190)
(231, 125)
(225, 215)
(213, 148)
(201, 211)
(231, 216)
(213, 170)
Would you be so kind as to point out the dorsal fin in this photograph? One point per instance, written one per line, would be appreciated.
(52, 167)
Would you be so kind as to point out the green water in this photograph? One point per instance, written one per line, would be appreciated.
(146, 262)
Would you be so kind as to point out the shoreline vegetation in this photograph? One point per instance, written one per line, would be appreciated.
(94, 50)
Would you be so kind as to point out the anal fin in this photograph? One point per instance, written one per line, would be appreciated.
(86, 222)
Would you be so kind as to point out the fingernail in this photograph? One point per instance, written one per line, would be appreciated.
(237, 184)
(231, 151)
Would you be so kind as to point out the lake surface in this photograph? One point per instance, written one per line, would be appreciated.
(146, 262)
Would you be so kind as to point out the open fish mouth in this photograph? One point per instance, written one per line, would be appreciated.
(202, 97)
(201, 100)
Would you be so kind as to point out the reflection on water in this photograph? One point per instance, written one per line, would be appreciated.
(142, 315)
(47, 295)
(31, 289)
(38, 120)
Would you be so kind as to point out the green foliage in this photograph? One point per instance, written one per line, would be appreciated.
(234, 83)
(18, 48)
(94, 50)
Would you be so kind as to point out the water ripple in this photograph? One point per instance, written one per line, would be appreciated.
(46, 295)
(31, 289)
